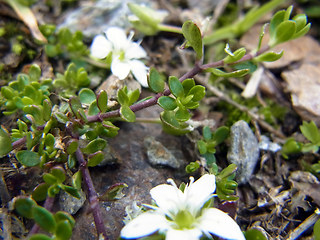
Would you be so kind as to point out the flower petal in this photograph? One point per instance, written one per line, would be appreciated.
(185, 234)
(100, 47)
(199, 192)
(219, 223)
(120, 68)
(139, 71)
(117, 36)
(135, 51)
(168, 198)
(143, 225)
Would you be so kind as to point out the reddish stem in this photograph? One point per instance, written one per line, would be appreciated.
(92, 195)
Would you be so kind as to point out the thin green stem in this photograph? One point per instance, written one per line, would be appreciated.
(169, 28)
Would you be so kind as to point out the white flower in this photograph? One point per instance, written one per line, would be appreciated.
(181, 215)
(125, 54)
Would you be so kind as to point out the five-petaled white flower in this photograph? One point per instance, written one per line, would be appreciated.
(125, 54)
(181, 215)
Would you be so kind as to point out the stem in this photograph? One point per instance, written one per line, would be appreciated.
(169, 28)
(19, 142)
(48, 204)
(92, 195)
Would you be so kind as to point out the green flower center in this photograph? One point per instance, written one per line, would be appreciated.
(122, 55)
(184, 219)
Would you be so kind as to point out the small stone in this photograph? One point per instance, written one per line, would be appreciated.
(94, 17)
(243, 151)
(160, 155)
(304, 86)
(71, 204)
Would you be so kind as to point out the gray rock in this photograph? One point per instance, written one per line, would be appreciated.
(71, 204)
(243, 151)
(94, 17)
(160, 155)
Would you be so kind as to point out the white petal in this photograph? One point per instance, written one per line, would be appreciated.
(186, 234)
(219, 223)
(100, 47)
(118, 38)
(143, 225)
(135, 51)
(139, 71)
(200, 191)
(168, 198)
(120, 68)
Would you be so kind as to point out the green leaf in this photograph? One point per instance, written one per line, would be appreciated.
(94, 146)
(269, 57)
(34, 72)
(44, 219)
(64, 230)
(7, 92)
(49, 178)
(36, 112)
(123, 98)
(182, 114)
(221, 134)
(311, 132)
(176, 87)
(62, 118)
(59, 173)
(102, 101)
(236, 74)
(171, 125)
(127, 114)
(192, 34)
(145, 14)
(71, 190)
(155, 81)
(47, 109)
(49, 140)
(202, 146)
(254, 234)
(192, 167)
(114, 192)
(95, 159)
(93, 109)
(302, 32)
(237, 55)
(187, 85)
(275, 21)
(87, 96)
(40, 192)
(284, 32)
(291, 147)
(28, 158)
(40, 236)
(72, 146)
(76, 180)
(5, 142)
(24, 206)
(62, 216)
(316, 230)
(167, 103)
(301, 21)
(198, 92)
(206, 133)
(133, 96)
(75, 105)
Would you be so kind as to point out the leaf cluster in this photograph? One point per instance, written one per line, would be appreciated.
(226, 186)
(59, 225)
(53, 183)
(71, 81)
(186, 95)
(63, 42)
(311, 132)
(126, 98)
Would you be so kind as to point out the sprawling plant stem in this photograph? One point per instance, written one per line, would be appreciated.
(92, 195)
(48, 204)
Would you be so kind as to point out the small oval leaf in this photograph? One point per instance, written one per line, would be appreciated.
(44, 219)
(28, 158)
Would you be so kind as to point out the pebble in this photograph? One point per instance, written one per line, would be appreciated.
(243, 150)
